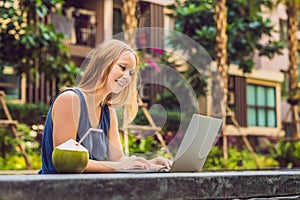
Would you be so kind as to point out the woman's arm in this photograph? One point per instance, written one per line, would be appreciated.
(131, 162)
(115, 154)
(65, 117)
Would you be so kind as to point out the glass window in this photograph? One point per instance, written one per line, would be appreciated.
(271, 118)
(117, 21)
(251, 95)
(261, 117)
(251, 116)
(261, 97)
(10, 83)
(271, 101)
(283, 29)
(261, 106)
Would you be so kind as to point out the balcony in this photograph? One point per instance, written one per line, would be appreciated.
(79, 27)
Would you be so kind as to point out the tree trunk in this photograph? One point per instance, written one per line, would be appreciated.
(130, 21)
(221, 45)
(221, 58)
(292, 12)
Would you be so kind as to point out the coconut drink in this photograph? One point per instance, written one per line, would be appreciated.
(70, 157)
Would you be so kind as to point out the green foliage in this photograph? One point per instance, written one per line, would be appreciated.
(27, 113)
(10, 33)
(215, 160)
(245, 28)
(287, 153)
(143, 146)
(32, 46)
(237, 159)
(13, 162)
(17, 162)
(27, 139)
(7, 143)
(10, 155)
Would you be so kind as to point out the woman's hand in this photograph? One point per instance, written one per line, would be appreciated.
(134, 162)
(163, 162)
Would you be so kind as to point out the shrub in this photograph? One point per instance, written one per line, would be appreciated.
(287, 153)
(237, 159)
(27, 113)
(11, 156)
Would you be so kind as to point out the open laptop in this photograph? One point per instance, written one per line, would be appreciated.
(194, 147)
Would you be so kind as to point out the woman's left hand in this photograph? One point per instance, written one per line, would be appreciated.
(161, 161)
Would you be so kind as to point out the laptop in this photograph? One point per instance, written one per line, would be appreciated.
(194, 147)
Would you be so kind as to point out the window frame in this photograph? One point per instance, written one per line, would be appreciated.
(19, 84)
(277, 98)
(257, 106)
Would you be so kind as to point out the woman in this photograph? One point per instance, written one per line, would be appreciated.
(109, 81)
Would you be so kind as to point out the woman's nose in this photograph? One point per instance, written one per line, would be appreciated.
(127, 75)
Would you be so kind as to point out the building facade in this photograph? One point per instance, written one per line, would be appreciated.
(255, 98)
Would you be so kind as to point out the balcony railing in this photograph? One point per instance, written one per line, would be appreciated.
(77, 24)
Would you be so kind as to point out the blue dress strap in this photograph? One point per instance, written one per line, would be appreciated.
(95, 142)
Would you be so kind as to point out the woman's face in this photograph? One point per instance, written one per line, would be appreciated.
(121, 73)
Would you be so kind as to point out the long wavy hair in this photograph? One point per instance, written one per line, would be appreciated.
(98, 65)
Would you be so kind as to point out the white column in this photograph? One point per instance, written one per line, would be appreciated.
(108, 18)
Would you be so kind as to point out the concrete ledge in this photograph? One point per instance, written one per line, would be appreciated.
(204, 185)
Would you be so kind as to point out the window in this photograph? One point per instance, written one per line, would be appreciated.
(10, 83)
(117, 21)
(78, 25)
(283, 30)
(261, 106)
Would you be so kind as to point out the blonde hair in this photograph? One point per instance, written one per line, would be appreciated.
(99, 63)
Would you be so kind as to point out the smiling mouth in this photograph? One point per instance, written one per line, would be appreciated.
(120, 83)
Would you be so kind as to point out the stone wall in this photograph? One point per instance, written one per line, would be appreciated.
(204, 185)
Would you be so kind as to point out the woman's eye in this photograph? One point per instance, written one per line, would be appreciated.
(122, 67)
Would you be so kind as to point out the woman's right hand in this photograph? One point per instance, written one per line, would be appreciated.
(134, 162)
(125, 163)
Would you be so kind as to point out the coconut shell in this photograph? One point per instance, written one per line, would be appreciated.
(70, 157)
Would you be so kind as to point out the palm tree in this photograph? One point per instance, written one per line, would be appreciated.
(130, 21)
(292, 9)
(221, 53)
(221, 60)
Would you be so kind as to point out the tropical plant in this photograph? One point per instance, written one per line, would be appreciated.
(221, 56)
(292, 10)
(245, 28)
(31, 45)
(130, 20)
(27, 113)
(287, 153)
(239, 159)
(10, 155)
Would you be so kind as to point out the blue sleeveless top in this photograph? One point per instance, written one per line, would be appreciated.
(96, 143)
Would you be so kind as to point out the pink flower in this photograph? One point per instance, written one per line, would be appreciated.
(143, 39)
(158, 51)
(153, 65)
